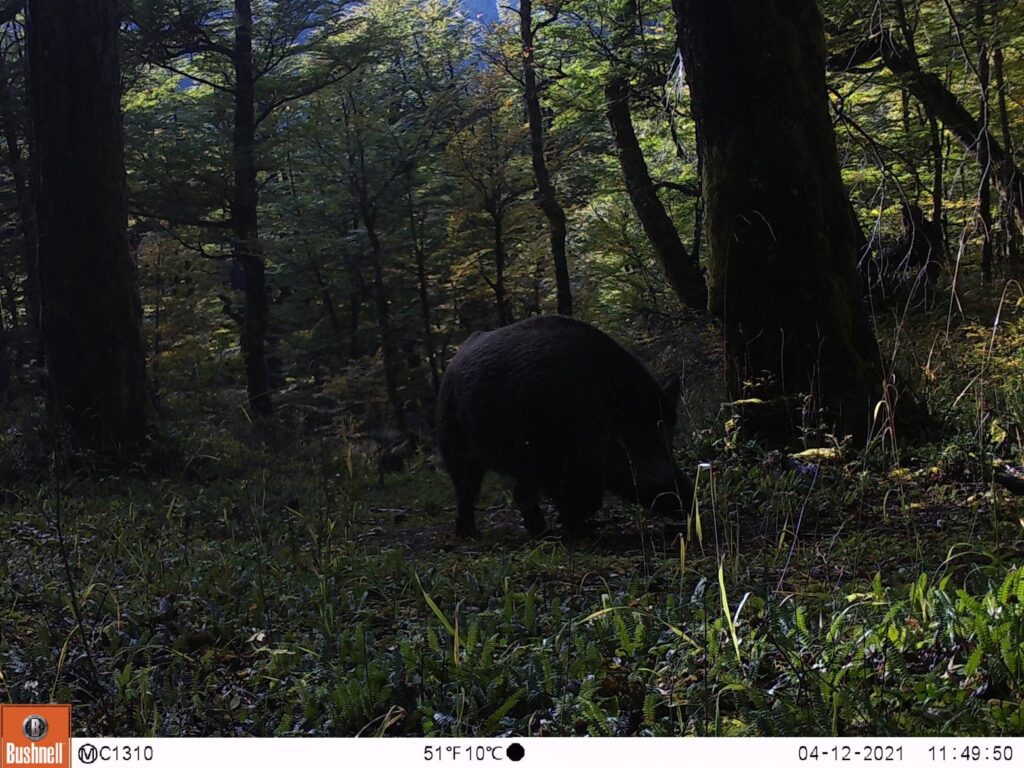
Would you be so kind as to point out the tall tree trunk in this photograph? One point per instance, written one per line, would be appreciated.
(6, 354)
(422, 290)
(547, 198)
(358, 291)
(5, 363)
(90, 309)
(26, 209)
(244, 221)
(938, 186)
(500, 293)
(681, 268)
(355, 308)
(329, 307)
(985, 189)
(1011, 242)
(782, 268)
(389, 348)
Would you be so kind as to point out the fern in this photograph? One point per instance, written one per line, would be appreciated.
(650, 703)
(284, 727)
(491, 724)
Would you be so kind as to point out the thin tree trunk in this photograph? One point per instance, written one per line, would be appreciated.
(783, 245)
(366, 209)
(422, 290)
(244, 218)
(1012, 238)
(5, 360)
(358, 292)
(905, 110)
(387, 336)
(985, 189)
(355, 308)
(329, 307)
(681, 268)
(547, 197)
(90, 309)
(938, 164)
(500, 294)
(933, 124)
(158, 302)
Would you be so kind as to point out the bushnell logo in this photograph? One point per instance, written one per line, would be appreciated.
(35, 736)
(35, 727)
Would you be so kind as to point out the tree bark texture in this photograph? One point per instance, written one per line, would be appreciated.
(782, 274)
(90, 310)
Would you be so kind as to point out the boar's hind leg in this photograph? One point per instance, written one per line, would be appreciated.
(466, 479)
(527, 498)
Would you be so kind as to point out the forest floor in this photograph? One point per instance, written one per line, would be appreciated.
(238, 585)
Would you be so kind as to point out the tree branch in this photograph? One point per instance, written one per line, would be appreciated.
(690, 190)
(930, 91)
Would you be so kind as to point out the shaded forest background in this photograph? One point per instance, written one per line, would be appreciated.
(251, 533)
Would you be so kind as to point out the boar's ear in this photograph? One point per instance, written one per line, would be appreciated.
(671, 387)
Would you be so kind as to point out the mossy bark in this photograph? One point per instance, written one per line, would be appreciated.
(782, 274)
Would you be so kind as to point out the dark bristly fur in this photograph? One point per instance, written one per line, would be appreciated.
(562, 409)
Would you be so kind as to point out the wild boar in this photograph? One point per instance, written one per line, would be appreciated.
(563, 410)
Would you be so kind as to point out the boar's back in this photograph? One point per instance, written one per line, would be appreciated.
(550, 391)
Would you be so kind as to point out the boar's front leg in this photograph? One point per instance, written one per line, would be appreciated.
(527, 498)
(577, 503)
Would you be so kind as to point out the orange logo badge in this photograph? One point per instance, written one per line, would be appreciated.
(35, 736)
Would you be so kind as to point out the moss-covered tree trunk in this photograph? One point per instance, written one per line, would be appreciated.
(90, 310)
(782, 273)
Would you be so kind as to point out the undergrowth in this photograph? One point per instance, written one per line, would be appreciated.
(234, 583)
